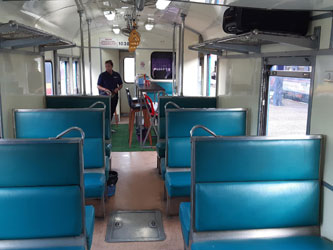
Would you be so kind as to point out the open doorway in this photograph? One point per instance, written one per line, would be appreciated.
(287, 99)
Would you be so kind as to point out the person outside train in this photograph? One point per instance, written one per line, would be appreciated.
(110, 83)
(278, 91)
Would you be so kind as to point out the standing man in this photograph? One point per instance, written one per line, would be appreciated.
(109, 83)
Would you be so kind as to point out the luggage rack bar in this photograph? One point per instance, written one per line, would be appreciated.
(15, 35)
(252, 42)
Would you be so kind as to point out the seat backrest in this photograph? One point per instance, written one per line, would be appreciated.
(129, 98)
(82, 102)
(242, 183)
(46, 123)
(183, 102)
(41, 190)
(227, 122)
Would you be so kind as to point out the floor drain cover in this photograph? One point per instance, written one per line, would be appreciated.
(126, 226)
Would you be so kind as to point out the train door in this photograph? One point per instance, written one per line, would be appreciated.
(127, 71)
(286, 96)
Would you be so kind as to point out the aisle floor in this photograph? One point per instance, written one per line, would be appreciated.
(139, 188)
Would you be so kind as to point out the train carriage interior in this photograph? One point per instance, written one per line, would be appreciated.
(210, 128)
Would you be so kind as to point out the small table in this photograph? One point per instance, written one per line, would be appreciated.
(152, 88)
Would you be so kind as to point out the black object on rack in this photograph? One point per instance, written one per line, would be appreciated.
(237, 20)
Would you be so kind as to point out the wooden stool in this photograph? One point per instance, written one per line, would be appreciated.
(131, 124)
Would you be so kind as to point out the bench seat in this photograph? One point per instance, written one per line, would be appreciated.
(185, 220)
(160, 149)
(163, 168)
(178, 184)
(90, 221)
(300, 242)
(94, 185)
(52, 248)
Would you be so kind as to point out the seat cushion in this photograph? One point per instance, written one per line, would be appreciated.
(163, 168)
(185, 220)
(94, 185)
(108, 148)
(291, 243)
(90, 220)
(178, 184)
(160, 149)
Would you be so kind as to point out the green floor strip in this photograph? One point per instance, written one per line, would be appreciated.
(120, 140)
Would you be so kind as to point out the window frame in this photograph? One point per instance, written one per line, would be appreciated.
(151, 64)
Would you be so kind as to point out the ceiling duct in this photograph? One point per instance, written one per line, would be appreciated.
(139, 4)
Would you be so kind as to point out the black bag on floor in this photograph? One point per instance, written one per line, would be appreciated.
(113, 178)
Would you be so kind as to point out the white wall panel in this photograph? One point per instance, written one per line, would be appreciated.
(22, 85)
(322, 123)
(239, 84)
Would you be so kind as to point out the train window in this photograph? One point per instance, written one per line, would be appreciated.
(211, 75)
(288, 100)
(161, 65)
(64, 77)
(129, 69)
(76, 76)
(49, 77)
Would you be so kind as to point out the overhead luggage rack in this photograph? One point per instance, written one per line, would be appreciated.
(251, 42)
(15, 35)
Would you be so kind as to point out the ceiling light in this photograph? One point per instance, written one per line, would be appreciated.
(124, 7)
(106, 3)
(162, 4)
(149, 25)
(110, 15)
(116, 29)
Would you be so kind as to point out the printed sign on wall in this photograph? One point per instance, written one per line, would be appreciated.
(114, 43)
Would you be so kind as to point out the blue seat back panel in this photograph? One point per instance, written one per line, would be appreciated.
(256, 205)
(250, 160)
(161, 128)
(186, 102)
(50, 123)
(179, 152)
(93, 153)
(221, 122)
(40, 212)
(32, 164)
(82, 102)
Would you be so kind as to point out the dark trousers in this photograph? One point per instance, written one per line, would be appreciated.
(114, 101)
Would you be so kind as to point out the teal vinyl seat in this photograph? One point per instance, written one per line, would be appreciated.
(184, 102)
(42, 195)
(259, 193)
(76, 101)
(48, 123)
(179, 122)
(289, 243)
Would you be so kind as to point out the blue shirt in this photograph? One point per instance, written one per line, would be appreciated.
(109, 81)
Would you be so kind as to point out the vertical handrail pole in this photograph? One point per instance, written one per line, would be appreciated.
(82, 54)
(89, 51)
(181, 54)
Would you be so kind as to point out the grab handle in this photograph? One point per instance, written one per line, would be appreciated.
(69, 130)
(96, 103)
(173, 104)
(204, 128)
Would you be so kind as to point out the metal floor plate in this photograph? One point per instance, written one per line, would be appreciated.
(125, 226)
